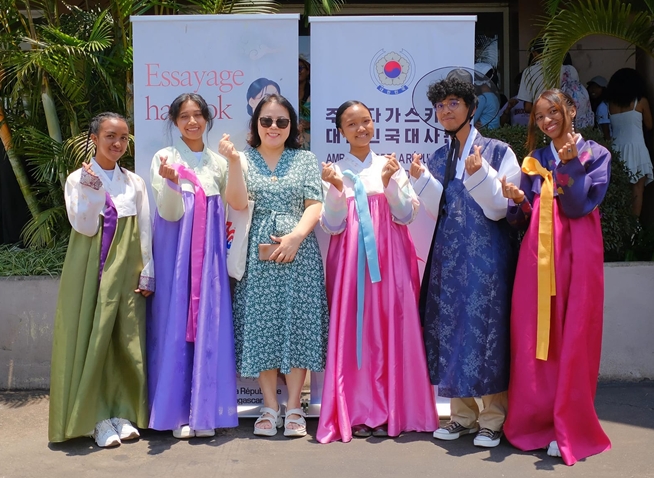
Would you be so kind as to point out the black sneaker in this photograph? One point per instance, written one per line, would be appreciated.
(487, 438)
(452, 431)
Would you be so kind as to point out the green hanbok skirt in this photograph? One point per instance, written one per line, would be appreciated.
(98, 352)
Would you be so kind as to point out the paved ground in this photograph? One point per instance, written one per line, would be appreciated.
(626, 411)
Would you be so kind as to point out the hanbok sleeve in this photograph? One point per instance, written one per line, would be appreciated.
(518, 215)
(85, 198)
(429, 190)
(146, 280)
(486, 189)
(168, 195)
(333, 217)
(582, 182)
(401, 197)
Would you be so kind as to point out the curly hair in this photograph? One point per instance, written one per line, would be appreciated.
(293, 140)
(440, 90)
(624, 86)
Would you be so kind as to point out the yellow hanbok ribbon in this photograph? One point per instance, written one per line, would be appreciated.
(546, 276)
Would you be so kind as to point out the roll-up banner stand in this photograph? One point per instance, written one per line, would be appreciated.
(381, 61)
(232, 61)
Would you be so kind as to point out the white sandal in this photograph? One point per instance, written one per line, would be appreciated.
(272, 417)
(301, 430)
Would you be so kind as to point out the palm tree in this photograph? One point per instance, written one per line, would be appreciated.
(60, 69)
(56, 71)
(567, 22)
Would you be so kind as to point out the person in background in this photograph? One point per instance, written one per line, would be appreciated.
(304, 93)
(466, 290)
(571, 85)
(532, 84)
(98, 385)
(191, 365)
(376, 380)
(558, 296)
(513, 112)
(597, 91)
(631, 117)
(488, 107)
(280, 304)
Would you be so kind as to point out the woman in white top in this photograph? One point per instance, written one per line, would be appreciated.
(630, 111)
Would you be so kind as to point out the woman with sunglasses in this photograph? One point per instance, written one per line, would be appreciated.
(280, 306)
(376, 380)
(466, 289)
(191, 367)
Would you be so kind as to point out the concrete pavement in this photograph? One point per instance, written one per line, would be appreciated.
(626, 411)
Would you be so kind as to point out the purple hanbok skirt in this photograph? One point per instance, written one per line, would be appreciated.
(191, 382)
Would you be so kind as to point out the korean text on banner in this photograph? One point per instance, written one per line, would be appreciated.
(383, 72)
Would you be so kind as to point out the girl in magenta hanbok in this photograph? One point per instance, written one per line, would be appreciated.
(376, 379)
(190, 334)
(558, 296)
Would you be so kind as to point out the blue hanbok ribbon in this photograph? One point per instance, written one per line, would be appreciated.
(367, 248)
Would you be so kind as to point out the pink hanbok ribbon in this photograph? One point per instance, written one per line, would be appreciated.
(198, 235)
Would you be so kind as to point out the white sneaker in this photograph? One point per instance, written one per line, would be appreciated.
(553, 449)
(105, 435)
(184, 433)
(205, 433)
(124, 429)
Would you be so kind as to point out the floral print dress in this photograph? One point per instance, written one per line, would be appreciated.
(280, 310)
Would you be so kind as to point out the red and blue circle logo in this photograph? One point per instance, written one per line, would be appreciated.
(392, 71)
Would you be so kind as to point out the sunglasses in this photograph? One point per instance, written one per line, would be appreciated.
(267, 122)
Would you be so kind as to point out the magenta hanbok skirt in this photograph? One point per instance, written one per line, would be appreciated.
(392, 387)
(554, 399)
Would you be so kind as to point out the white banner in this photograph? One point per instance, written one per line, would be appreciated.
(379, 61)
(228, 59)
(231, 60)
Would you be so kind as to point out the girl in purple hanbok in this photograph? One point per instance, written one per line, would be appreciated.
(558, 296)
(191, 361)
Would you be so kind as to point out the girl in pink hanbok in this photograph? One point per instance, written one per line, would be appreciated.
(376, 380)
(558, 296)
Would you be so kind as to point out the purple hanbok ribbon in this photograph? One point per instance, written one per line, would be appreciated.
(198, 235)
(108, 230)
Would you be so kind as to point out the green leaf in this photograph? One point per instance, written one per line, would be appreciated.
(580, 19)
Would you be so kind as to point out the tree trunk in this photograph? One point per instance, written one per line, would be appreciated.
(17, 166)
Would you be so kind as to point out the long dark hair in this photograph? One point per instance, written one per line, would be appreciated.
(625, 86)
(293, 140)
(563, 102)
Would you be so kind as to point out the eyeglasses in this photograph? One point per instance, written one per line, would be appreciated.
(267, 122)
(450, 105)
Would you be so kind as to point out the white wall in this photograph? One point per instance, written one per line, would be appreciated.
(28, 305)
